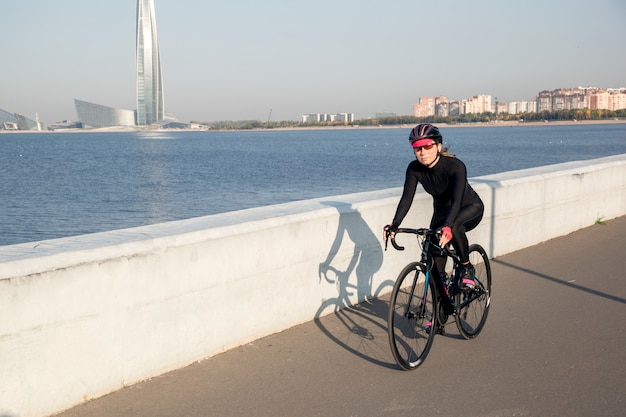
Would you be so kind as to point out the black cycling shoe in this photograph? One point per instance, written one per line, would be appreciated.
(468, 274)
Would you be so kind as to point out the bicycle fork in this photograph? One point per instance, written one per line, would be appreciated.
(422, 309)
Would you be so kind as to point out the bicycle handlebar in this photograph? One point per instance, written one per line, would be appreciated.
(423, 231)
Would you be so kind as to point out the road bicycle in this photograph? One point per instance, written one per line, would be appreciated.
(423, 298)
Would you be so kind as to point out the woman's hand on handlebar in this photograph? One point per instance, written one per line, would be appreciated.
(446, 236)
(389, 232)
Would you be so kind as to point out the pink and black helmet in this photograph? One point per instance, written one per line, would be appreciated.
(423, 134)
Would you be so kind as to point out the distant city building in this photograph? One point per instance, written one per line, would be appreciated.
(311, 118)
(618, 98)
(150, 106)
(440, 106)
(16, 121)
(582, 98)
(517, 107)
(560, 99)
(325, 117)
(96, 115)
(65, 124)
(479, 104)
(427, 106)
(8, 126)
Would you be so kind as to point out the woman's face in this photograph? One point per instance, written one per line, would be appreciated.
(426, 155)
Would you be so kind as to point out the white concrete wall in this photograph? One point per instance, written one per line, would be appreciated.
(81, 317)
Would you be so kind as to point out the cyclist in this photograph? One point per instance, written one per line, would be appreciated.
(457, 207)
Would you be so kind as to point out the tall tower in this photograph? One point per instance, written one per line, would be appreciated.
(150, 107)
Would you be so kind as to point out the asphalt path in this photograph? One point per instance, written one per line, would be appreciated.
(554, 345)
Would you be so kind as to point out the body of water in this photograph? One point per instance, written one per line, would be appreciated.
(65, 184)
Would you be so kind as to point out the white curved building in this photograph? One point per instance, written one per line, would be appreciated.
(97, 115)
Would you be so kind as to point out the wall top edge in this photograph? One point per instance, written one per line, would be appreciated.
(530, 174)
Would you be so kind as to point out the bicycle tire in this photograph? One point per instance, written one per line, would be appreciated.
(409, 337)
(471, 318)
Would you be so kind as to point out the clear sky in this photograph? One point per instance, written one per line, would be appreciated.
(241, 59)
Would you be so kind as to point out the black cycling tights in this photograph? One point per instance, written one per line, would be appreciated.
(469, 217)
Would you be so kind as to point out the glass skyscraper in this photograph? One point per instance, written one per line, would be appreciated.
(150, 107)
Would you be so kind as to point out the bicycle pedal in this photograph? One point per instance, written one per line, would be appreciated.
(440, 330)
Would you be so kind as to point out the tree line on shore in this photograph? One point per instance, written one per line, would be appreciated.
(488, 117)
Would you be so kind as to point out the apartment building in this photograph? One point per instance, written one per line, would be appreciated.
(441, 106)
(326, 117)
(559, 99)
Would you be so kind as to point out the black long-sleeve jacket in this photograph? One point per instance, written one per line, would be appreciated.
(446, 182)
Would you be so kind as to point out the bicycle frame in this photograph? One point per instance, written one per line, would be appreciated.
(431, 269)
(429, 250)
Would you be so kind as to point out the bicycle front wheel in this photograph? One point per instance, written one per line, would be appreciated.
(473, 305)
(412, 319)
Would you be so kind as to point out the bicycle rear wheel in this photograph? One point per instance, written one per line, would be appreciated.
(412, 320)
(473, 305)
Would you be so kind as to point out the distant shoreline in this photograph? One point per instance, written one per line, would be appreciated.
(454, 125)
(121, 129)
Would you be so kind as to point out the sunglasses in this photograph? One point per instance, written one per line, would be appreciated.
(425, 147)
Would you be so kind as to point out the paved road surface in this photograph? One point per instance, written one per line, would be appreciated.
(554, 345)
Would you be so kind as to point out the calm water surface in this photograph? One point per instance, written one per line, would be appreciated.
(65, 184)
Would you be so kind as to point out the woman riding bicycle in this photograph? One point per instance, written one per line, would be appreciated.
(457, 207)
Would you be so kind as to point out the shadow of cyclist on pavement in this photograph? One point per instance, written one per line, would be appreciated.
(364, 328)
